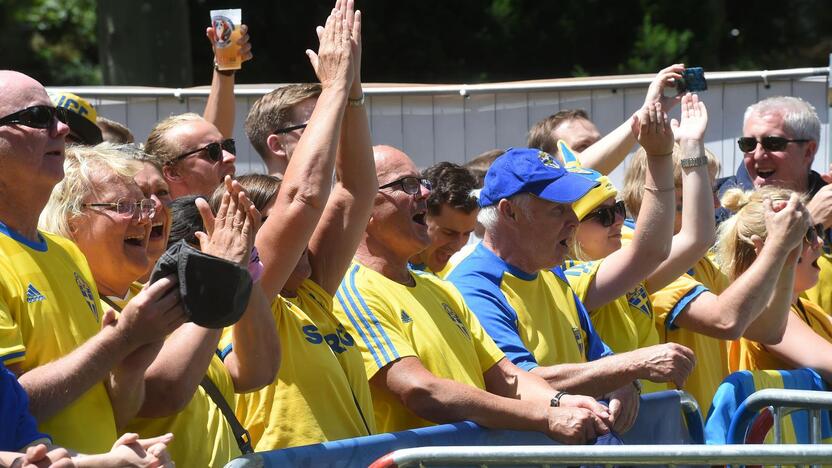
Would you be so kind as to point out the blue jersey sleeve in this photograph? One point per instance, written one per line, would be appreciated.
(19, 428)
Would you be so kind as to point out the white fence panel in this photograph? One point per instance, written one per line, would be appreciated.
(435, 124)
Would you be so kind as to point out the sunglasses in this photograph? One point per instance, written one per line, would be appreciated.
(35, 117)
(770, 143)
(128, 208)
(409, 185)
(214, 151)
(606, 215)
(814, 233)
(290, 129)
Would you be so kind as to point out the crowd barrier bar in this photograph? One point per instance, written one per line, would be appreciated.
(788, 454)
(781, 401)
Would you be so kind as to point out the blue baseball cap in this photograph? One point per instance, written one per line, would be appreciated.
(529, 170)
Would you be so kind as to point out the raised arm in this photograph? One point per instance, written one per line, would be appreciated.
(803, 347)
(750, 298)
(623, 269)
(607, 153)
(335, 239)
(696, 235)
(306, 184)
(219, 110)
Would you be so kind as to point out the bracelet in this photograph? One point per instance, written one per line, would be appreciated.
(356, 102)
(555, 402)
(694, 162)
(660, 155)
(659, 190)
(223, 72)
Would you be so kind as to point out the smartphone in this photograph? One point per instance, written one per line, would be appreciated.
(693, 80)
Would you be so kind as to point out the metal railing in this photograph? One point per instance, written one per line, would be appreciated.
(781, 402)
(608, 455)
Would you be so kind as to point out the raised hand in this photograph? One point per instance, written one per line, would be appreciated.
(243, 42)
(786, 222)
(652, 130)
(694, 119)
(334, 62)
(665, 78)
(229, 235)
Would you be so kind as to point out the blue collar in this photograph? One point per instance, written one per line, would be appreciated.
(39, 245)
(508, 267)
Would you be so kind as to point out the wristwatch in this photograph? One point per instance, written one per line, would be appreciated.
(694, 162)
(555, 402)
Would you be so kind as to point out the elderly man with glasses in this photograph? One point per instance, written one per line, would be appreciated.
(779, 140)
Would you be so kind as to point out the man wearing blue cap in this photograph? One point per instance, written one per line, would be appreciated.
(427, 358)
(514, 283)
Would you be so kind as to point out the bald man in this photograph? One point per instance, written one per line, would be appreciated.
(51, 333)
(427, 358)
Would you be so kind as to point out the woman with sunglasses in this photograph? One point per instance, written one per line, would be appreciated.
(601, 266)
(807, 341)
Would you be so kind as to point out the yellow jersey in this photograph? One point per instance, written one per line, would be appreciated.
(321, 392)
(821, 293)
(48, 308)
(711, 353)
(535, 318)
(625, 324)
(201, 435)
(750, 355)
(428, 320)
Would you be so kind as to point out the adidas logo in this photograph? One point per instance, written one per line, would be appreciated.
(406, 318)
(33, 295)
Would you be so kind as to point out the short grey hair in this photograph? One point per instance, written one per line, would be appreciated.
(799, 117)
(489, 216)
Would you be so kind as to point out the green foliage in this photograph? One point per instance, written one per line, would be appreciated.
(656, 47)
(55, 40)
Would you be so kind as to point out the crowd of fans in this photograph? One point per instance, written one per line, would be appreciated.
(146, 291)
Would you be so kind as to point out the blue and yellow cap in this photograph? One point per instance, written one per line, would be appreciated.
(528, 170)
(81, 117)
(593, 199)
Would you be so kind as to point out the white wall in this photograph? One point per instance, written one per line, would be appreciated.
(450, 127)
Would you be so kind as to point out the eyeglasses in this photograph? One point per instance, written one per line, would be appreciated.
(127, 207)
(606, 215)
(814, 233)
(214, 151)
(35, 117)
(409, 185)
(290, 129)
(770, 143)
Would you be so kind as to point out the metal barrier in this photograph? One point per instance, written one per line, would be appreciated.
(610, 455)
(659, 422)
(781, 402)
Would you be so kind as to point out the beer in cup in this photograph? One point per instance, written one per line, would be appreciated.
(226, 24)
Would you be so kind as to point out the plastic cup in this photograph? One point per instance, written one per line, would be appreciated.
(226, 24)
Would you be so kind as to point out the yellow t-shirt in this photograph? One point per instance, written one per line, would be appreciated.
(429, 321)
(201, 435)
(711, 353)
(750, 355)
(321, 392)
(625, 324)
(49, 307)
(821, 293)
